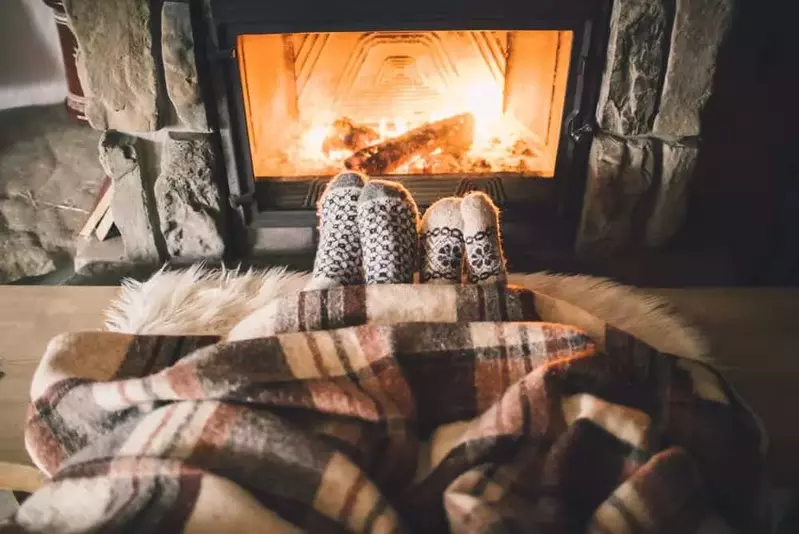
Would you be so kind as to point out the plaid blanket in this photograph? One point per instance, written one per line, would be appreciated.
(390, 409)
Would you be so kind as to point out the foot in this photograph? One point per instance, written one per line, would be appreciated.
(338, 257)
(387, 222)
(484, 257)
(442, 244)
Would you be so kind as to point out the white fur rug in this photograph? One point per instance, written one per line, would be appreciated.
(201, 301)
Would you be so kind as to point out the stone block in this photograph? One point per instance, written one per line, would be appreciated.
(21, 255)
(180, 66)
(636, 193)
(621, 173)
(699, 29)
(190, 208)
(117, 66)
(633, 74)
(93, 257)
(132, 204)
(671, 199)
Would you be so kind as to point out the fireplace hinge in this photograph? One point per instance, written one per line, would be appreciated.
(224, 55)
(579, 133)
(579, 127)
(236, 201)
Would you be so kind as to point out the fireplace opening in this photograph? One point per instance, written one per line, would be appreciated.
(444, 97)
(429, 103)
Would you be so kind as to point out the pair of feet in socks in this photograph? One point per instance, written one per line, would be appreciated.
(458, 234)
(370, 233)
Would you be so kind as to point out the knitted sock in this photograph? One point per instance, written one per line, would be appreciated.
(485, 260)
(442, 242)
(338, 257)
(387, 221)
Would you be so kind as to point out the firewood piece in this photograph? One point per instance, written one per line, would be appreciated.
(344, 134)
(453, 135)
(101, 205)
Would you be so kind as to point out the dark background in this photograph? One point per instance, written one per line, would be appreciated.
(744, 205)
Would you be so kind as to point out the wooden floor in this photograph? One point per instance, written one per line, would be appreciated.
(29, 317)
(754, 334)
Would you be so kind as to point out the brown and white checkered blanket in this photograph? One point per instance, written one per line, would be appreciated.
(391, 409)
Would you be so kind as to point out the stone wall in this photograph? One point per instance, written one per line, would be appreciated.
(658, 76)
(137, 65)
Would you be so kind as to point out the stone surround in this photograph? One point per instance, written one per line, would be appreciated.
(139, 71)
(660, 65)
(140, 74)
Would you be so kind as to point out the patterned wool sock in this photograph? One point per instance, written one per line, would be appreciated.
(338, 257)
(441, 239)
(484, 257)
(387, 221)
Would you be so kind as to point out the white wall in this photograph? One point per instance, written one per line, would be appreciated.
(31, 69)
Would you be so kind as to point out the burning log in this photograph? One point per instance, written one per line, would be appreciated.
(346, 135)
(453, 135)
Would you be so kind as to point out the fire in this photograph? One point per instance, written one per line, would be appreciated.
(499, 143)
(430, 103)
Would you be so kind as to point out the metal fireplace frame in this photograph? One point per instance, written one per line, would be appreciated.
(292, 202)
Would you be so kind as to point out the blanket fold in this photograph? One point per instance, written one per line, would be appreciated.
(390, 409)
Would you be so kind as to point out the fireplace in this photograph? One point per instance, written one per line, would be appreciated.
(496, 96)
(224, 119)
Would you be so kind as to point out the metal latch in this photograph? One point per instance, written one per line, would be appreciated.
(579, 133)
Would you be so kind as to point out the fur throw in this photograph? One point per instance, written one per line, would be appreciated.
(202, 301)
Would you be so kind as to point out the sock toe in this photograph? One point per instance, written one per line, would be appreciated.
(478, 208)
(444, 213)
(347, 179)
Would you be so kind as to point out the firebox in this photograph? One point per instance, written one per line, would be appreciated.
(445, 97)
(404, 102)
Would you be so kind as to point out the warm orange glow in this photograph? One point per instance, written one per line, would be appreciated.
(313, 100)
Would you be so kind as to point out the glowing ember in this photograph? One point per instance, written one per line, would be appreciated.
(500, 144)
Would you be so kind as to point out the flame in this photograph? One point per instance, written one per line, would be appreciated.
(313, 139)
(399, 82)
(484, 101)
(500, 142)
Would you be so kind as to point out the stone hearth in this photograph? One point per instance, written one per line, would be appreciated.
(139, 67)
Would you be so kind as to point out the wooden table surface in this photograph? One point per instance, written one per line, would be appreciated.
(754, 334)
(29, 317)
